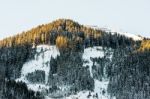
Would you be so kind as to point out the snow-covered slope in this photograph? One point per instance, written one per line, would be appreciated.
(100, 90)
(40, 62)
(118, 31)
(133, 36)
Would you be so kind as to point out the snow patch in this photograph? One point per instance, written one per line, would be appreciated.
(91, 52)
(37, 87)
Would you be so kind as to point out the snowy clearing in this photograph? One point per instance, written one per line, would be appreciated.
(91, 52)
(41, 62)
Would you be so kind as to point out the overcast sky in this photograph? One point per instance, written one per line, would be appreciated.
(128, 15)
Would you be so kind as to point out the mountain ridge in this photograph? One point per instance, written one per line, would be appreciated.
(61, 24)
(118, 31)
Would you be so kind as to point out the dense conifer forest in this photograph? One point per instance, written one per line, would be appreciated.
(128, 70)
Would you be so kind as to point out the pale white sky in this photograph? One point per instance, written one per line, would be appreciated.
(129, 15)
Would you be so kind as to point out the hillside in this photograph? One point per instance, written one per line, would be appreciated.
(47, 34)
(66, 60)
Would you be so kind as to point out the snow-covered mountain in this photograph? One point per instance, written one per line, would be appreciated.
(66, 60)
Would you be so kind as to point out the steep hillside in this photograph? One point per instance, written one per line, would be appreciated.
(36, 72)
(130, 76)
(66, 60)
